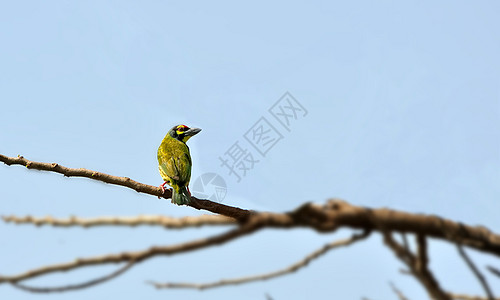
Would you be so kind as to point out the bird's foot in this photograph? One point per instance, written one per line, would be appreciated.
(162, 187)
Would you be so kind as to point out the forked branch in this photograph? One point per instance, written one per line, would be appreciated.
(293, 268)
(72, 287)
(417, 264)
(329, 217)
(476, 272)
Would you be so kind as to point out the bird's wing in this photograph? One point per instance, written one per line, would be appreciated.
(178, 167)
(186, 163)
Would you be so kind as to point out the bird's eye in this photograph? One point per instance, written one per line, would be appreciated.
(182, 128)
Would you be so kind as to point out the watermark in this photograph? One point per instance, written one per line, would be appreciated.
(209, 186)
(263, 136)
(287, 109)
(238, 160)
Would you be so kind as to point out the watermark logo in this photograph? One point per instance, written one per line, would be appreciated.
(209, 186)
(262, 136)
(238, 160)
(287, 109)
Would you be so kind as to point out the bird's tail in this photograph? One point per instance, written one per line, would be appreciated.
(181, 196)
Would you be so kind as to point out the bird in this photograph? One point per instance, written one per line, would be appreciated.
(174, 162)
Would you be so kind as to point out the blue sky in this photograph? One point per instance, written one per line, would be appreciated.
(403, 110)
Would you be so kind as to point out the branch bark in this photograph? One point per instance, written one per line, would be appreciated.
(493, 270)
(73, 287)
(326, 218)
(398, 293)
(293, 268)
(476, 272)
(466, 297)
(417, 264)
(221, 209)
(322, 218)
(137, 256)
(164, 221)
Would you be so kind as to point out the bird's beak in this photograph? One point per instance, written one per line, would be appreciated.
(192, 131)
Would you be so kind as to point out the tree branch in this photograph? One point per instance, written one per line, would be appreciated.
(293, 268)
(417, 265)
(322, 218)
(137, 256)
(217, 208)
(73, 286)
(476, 272)
(326, 218)
(167, 222)
(493, 270)
(396, 291)
(466, 297)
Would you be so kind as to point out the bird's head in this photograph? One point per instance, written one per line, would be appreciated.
(183, 133)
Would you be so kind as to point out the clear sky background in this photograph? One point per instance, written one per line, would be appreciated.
(403, 111)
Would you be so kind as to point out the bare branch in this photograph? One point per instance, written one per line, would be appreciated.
(167, 222)
(69, 172)
(417, 265)
(137, 256)
(73, 287)
(221, 209)
(293, 268)
(337, 213)
(322, 218)
(476, 272)
(422, 259)
(452, 295)
(405, 242)
(326, 218)
(400, 294)
(466, 297)
(493, 270)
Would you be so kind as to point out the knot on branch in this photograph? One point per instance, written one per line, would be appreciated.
(313, 215)
(335, 204)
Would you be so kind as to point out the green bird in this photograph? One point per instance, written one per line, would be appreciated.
(175, 162)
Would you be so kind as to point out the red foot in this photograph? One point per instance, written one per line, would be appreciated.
(162, 186)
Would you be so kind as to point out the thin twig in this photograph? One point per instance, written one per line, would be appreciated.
(400, 294)
(293, 268)
(326, 218)
(493, 270)
(422, 259)
(73, 287)
(405, 241)
(417, 264)
(467, 297)
(137, 256)
(476, 272)
(323, 218)
(218, 208)
(167, 222)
